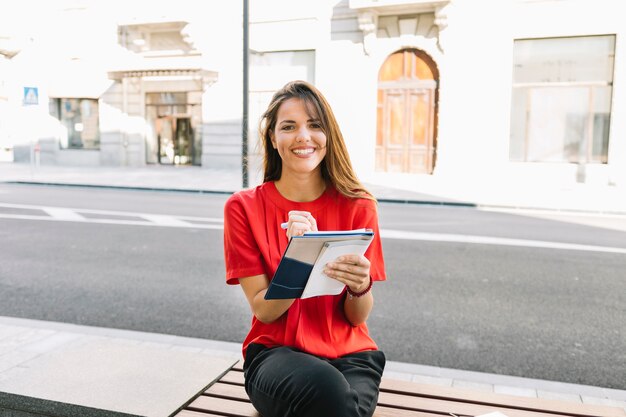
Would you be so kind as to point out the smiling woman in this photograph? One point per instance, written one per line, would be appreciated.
(313, 356)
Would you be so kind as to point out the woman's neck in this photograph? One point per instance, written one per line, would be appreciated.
(301, 189)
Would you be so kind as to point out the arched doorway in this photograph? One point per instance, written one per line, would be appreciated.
(407, 113)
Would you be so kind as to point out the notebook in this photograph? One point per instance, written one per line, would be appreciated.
(300, 272)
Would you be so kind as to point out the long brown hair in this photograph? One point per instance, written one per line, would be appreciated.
(336, 165)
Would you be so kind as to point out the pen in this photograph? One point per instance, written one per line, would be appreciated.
(284, 225)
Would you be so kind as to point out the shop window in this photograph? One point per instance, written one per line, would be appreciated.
(561, 101)
(79, 116)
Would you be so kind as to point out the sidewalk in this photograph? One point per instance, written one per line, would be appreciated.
(39, 359)
(583, 198)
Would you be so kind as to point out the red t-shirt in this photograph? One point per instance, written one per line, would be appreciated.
(254, 244)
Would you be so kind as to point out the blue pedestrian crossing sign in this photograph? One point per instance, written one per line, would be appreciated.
(31, 96)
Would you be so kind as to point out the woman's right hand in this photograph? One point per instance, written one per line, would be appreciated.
(300, 222)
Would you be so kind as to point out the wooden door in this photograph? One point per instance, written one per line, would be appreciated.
(406, 115)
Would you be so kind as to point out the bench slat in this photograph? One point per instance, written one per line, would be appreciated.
(234, 392)
(502, 400)
(189, 413)
(224, 407)
(446, 407)
(396, 412)
(233, 377)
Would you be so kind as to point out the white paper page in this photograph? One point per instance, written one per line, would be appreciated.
(319, 283)
(336, 232)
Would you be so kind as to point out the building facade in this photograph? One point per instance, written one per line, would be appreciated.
(465, 90)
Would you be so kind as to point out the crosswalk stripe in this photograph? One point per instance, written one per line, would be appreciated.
(63, 214)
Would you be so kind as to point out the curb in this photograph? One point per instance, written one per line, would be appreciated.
(121, 187)
(381, 200)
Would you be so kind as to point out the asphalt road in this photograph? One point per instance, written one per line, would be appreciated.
(549, 313)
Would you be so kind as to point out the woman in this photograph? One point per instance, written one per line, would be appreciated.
(314, 356)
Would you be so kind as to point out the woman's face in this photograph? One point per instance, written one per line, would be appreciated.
(299, 138)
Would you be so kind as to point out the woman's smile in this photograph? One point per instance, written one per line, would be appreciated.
(303, 152)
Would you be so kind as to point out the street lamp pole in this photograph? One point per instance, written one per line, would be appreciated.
(244, 124)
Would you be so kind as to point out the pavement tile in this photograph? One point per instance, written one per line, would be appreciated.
(433, 380)
(477, 386)
(561, 396)
(416, 369)
(397, 375)
(23, 338)
(603, 401)
(123, 341)
(84, 339)
(15, 358)
(614, 393)
(50, 343)
(222, 354)
(206, 344)
(7, 331)
(520, 392)
(156, 345)
(12, 373)
(189, 349)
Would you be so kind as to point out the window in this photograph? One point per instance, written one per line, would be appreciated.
(79, 116)
(561, 101)
(270, 71)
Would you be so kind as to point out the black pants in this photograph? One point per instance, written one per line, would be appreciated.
(285, 382)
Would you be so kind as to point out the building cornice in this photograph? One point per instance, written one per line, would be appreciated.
(370, 10)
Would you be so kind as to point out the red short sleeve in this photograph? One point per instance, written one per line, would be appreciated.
(367, 217)
(241, 253)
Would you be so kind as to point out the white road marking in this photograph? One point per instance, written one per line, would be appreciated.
(110, 212)
(603, 220)
(499, 241)
(183, 225)
(63, 213)
(165, 220)
(143, 219)
(213, 223)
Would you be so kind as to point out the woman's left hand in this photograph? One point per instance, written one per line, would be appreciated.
(352, 270)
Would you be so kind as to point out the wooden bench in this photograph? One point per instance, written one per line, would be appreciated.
(227, 397)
